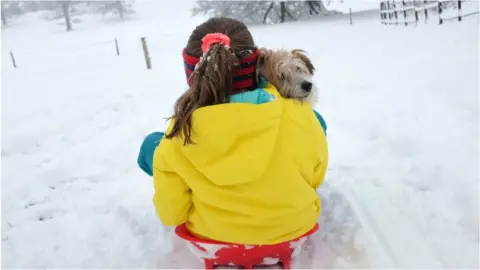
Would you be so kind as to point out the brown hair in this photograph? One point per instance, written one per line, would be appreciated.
(211, 81)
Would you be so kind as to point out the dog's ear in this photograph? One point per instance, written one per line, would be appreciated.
(260, 72)
(302, 55)
(264, 54)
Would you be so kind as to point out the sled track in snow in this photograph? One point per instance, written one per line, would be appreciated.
(388, 259)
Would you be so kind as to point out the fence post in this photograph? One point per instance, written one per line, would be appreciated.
(146, 54)
(426, 10)
(116, 46)
(13, 59)
(388, 12)
(440, 21)
(350, 11)
(404, 13)
(459, 10)
(381, 12)
(385, 7)
(416, 17)
(395, 12)
(385, 12)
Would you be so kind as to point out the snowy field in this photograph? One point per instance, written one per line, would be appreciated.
(401, 104)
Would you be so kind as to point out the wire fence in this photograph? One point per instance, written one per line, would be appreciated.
(412, 12)
(69, 56)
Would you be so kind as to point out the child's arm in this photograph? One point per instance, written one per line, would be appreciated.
(322, 121)
(319, 175)
(173, 197)
(319, 171)
(145, 156)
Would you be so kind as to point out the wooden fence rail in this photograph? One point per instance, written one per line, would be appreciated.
(413, 10)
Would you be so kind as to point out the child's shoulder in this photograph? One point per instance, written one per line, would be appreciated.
(257, 96)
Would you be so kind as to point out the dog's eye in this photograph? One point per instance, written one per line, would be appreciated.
(282, 76)
(299, 69)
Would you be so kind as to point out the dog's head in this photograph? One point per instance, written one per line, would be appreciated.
(290, 72)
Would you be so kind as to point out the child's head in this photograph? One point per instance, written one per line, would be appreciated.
(220, 60)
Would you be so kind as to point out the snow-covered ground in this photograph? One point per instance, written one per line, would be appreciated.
(401, 104)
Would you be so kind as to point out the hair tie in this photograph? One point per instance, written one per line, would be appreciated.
(210, 39)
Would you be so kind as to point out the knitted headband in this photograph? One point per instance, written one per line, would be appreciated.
(244, 76)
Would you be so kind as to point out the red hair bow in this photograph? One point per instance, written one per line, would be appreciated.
(213, 38)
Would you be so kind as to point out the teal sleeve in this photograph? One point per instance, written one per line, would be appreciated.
(145, 156)
(322, 121)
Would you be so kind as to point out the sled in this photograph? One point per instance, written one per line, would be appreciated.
(217, 254)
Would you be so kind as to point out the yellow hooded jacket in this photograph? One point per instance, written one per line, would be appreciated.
(250, 176)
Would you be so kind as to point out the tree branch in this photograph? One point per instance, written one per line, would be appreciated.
(289, 14)
(312, 8)
(267, 12)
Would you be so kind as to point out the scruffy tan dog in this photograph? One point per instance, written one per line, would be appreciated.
(290, 72)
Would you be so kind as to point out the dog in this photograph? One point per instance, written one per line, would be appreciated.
(291, 72)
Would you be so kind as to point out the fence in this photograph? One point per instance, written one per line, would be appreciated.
(391, 12)
(113, 46)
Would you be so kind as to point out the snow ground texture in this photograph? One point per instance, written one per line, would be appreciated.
(401, 105)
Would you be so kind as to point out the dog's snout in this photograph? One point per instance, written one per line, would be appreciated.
(306, 86)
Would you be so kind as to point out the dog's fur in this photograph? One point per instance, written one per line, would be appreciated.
(290, 72)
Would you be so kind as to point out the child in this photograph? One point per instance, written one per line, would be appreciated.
(237, 168)
(258, 96)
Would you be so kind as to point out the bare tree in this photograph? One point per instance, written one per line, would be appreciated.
(246, 11)
(284, 11)
(119, 7)
(267, 12)
(66, 14)
(4, 18)
(10, 8)
(314, 5)
(68, 10)
(253, 12)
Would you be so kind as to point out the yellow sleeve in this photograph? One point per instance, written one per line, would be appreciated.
(173, 197)
(320, 169)
(319, 175)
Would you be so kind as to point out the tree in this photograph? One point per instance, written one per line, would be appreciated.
(30, 6)
(10, 8)
(247, 11)
(265, 16)
(66, 14)
(120, 8)
(65, 9)
(252, 12)
(4, 17)
(315, 7)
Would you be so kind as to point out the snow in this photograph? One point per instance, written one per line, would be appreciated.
(401, 104)
(270, 261)
(209, 250)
